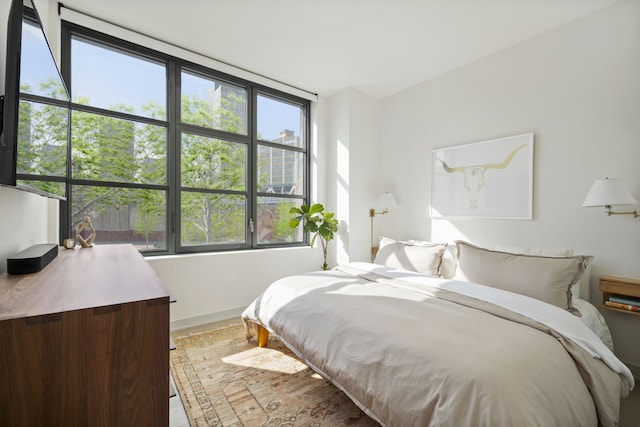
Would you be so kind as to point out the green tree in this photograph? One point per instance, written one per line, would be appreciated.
(106, 148)
(42, 137)
(150, 155)
(102, 149)
(111, 149)
(282, 231)
(212, 164)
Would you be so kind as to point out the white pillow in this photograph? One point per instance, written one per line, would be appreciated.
(448, 265)
(546, 278)
(422, 257)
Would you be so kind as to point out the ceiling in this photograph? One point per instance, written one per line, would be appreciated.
(379, 47)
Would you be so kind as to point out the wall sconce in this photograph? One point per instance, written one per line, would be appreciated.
(609, 192)
(385, 203)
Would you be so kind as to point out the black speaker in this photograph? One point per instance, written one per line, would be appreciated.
(32, 259)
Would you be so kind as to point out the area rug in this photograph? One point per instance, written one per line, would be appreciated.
(225, 381)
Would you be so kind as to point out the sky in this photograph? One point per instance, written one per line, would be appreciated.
(105, 76)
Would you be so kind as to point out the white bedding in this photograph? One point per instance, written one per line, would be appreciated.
(592, 318)
(409, 351)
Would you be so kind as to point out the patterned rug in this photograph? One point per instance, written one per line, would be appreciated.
(225, 381)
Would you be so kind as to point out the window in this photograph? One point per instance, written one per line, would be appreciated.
(118, 143)
(175, 157)
(281, 166)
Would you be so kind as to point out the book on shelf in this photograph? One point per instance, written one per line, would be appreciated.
(622, 306)
(625, 300)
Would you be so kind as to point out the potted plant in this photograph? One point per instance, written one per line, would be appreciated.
(318, 222)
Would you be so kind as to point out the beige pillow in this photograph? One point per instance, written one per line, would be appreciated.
(576, 289)
(546, 278)
(555, 252)
(423, 257)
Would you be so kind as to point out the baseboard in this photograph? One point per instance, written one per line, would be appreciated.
(196, 321)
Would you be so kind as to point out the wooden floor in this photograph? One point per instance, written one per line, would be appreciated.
(629, 411)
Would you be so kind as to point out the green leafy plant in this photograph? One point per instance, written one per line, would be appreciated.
(317, 222)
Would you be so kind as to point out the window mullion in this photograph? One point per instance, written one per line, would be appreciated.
(252, 168)
(173, 157)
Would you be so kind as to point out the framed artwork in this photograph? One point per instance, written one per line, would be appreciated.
(487, 179)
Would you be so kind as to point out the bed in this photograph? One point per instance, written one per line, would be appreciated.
(412, 347)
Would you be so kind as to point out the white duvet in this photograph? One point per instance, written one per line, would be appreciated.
(416, 350)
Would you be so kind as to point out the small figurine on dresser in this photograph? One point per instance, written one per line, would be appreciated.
(88, 241)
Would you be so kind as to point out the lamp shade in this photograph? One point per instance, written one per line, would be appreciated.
(608, 192)
(386, 202)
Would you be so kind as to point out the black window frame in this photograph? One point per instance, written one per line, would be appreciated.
(174, 128)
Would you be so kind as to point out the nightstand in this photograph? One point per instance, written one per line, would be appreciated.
(620, 286)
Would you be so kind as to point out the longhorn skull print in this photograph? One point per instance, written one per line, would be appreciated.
(474, 175)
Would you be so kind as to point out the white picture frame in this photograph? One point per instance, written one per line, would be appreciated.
(486, 179)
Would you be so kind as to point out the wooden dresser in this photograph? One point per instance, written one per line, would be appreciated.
(85, 342)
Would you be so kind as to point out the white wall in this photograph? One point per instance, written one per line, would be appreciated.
(217, 286)
(337, 159)
(353, 124)
(24, 221)
(577, 88)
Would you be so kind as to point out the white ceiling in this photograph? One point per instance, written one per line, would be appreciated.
(379, 47)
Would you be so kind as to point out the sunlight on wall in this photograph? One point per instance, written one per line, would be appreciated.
(443, 230)
(342, 197)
